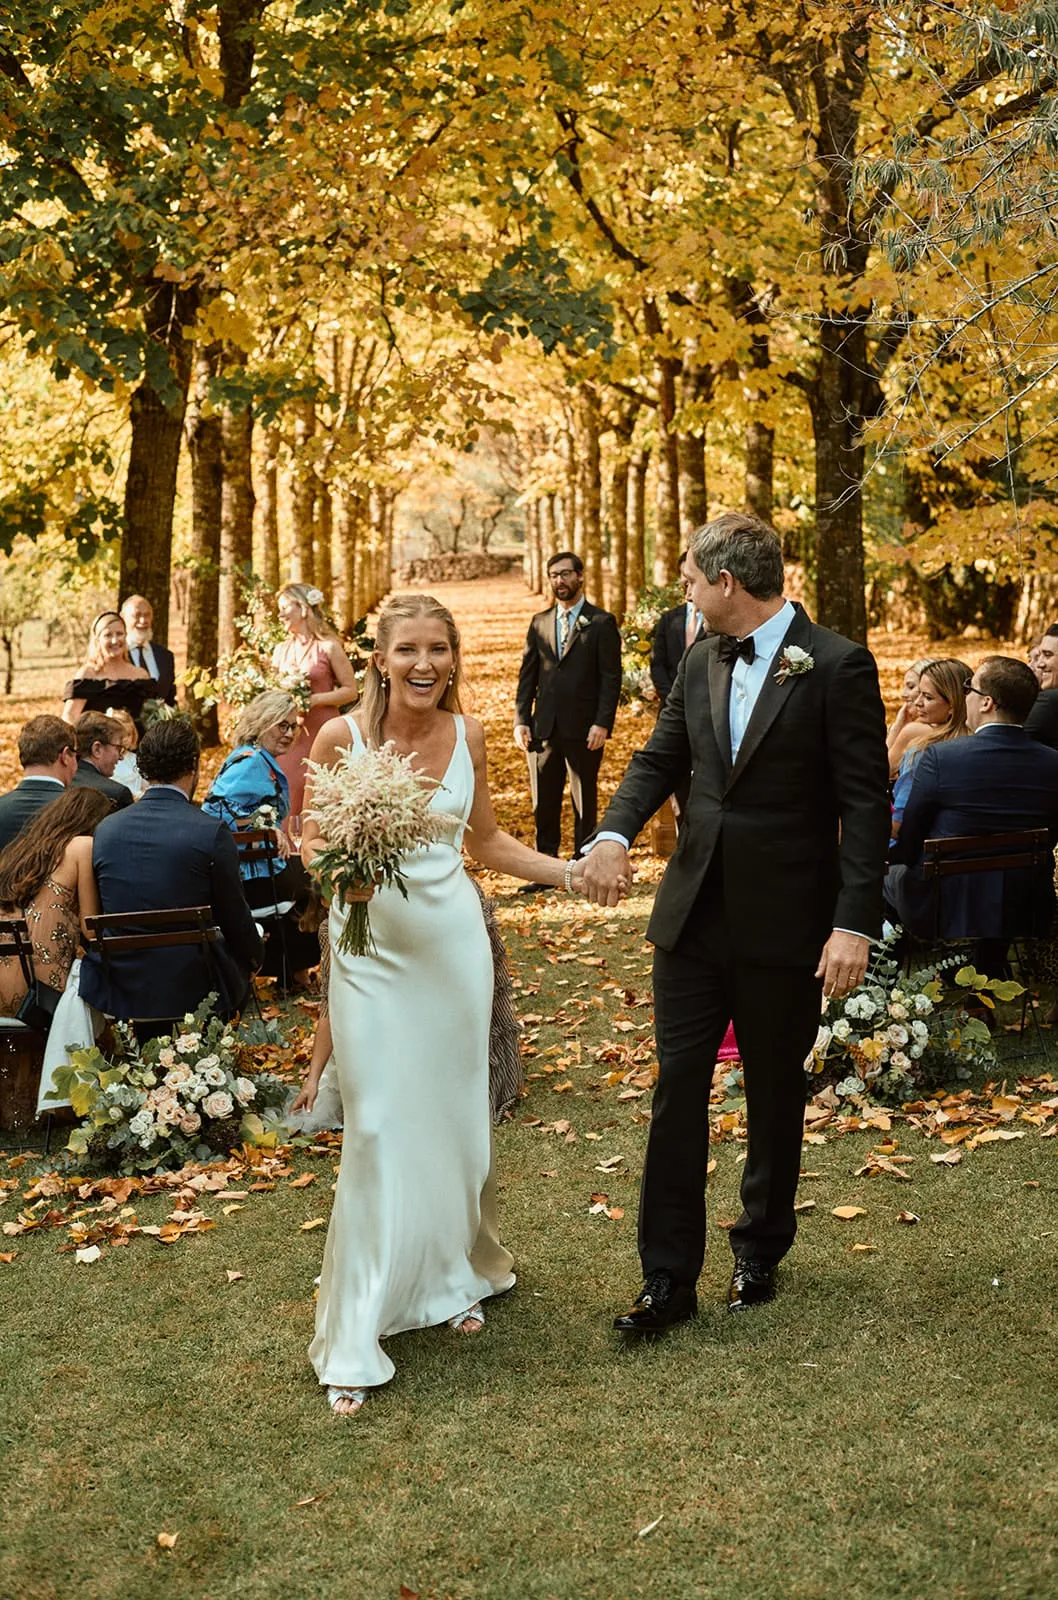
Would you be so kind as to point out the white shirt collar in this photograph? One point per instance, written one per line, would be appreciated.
(770, 635)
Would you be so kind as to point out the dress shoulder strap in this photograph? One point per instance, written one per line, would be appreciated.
(358, 738)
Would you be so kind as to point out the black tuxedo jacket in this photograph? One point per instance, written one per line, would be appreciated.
(21, 804)
(800, 820)
(1041, 723)
(666, 651)
(997, 781)
(89, 777)
(166, 674)
(567, 697)
(161, 853)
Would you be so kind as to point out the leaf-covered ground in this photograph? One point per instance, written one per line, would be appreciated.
(887, 1428)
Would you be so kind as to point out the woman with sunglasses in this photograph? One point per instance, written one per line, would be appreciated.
(251, 791)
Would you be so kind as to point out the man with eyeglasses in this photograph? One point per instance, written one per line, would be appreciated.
(1042, 721)
(100, 744)
(568, 689)
(998, 781)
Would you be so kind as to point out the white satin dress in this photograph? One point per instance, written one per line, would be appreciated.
(413, 1239)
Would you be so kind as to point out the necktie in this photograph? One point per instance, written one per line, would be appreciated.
(137, 655)
(563, 631)
(694, 622)
(732, 649)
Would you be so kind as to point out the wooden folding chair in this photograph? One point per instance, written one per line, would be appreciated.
(116, 933)
(259, 845)
(1026, 849)
(21, 1047)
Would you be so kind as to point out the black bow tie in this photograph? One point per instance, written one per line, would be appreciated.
(731, 649)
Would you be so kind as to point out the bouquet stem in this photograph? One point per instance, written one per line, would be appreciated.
(355, 938)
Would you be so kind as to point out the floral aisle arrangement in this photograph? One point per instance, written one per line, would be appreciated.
(178, 1098)
(373, 810)
(900, 1033)
(637, 635)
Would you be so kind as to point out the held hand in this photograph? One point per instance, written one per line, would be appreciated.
(597, 737)
(357, 896)
(283, 841)
(522, 736)
(607, 873)
(843, 964)
(576, 877)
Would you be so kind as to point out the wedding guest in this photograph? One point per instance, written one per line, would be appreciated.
(46, 752)
(100, 744)
(252, 781)
(940, 715)
(46, 877)
(999, 781)
(568, 688)
(160, 854)
(311, 654)
(107, 678)
(1042, 721)
(126, 771)
(138, 616)
(908, 695)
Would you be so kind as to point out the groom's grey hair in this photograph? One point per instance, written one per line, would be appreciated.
(746, 547)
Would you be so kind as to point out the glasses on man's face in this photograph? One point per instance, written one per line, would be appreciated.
(116, 745)
(562, 572)
(968, 688)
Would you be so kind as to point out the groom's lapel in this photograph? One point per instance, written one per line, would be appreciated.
(773, 694)
(719, 703)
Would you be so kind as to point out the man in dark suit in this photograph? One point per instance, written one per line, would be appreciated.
(1041, 723)
(138, 616)
(998, 781)
(568, 689)
(100, 745)
(774, 892)
(677, 629)
(46, 752)
(157, 855)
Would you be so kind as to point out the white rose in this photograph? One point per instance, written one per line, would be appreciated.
(245, 1091)
(197, 1089)
(899, 1059)
(214, 1076)
(167, 1057)
(842, 1029)
(142, 1123)
(190, 1123)
(188, 1042)
(923, 1005)
(897, 996)
(899, 1012)
(208, 1061)
(896, 1034)
(920, 1031)
(218, 1104)
(177, 1077)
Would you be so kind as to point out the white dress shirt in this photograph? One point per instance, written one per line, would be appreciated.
(747, 678)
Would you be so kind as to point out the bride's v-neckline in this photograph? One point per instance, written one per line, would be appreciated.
(421, 774)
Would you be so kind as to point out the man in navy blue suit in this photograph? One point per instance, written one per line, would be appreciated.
(157, 855)
(998, 781)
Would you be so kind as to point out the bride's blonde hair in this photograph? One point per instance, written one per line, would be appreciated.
(405, 608)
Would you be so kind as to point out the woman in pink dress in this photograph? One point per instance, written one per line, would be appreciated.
(312, 654)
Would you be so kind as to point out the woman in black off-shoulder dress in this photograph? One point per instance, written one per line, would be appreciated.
(108, 680)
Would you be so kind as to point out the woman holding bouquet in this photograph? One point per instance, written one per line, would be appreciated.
(311, 656)
(413, 1241)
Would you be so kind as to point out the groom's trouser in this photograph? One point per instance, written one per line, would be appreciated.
(699, 987)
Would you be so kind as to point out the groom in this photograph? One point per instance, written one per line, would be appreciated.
(773, 894)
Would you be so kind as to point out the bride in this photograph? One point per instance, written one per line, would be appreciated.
(413, 1239)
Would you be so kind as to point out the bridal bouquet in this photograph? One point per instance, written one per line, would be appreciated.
(373, 809)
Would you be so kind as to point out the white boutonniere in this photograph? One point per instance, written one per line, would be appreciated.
(581, 623)
(793, 662)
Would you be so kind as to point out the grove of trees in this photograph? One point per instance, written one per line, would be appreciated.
(267, 266)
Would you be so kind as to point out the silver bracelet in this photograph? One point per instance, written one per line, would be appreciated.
(569, 876)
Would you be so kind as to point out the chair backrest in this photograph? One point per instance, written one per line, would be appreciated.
(115, 932)
(987, 852)
(15, 941)
(256, 844)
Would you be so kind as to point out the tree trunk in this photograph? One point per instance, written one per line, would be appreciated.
(836, 401)
(591, 493)
(619, 533)
(694, 505)
(205, 443)
(667, 535)
(637, 532)
(303, 493)
(236, 520)
(350, 512)
(269, 563)
(549, 533)
(760, 470)
(323, 570)
(157, 425)
(570, 508)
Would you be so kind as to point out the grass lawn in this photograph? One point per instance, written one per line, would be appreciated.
(889, 1427)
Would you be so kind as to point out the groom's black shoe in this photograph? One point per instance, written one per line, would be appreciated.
(659, 1304)
(752, 1283)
